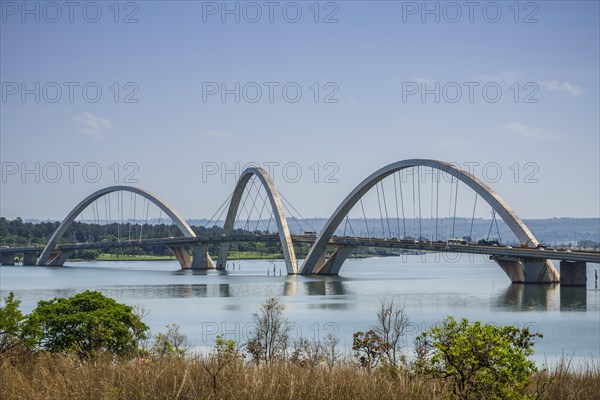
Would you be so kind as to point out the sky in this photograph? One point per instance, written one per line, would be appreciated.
(178, 96)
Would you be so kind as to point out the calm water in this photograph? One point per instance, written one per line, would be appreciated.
(430, 288)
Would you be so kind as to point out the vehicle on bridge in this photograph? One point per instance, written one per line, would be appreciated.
(456, 241)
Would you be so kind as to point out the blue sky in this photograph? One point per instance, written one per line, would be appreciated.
(366, 61)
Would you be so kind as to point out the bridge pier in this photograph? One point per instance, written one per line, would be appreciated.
(530, 270)
(332, 265)
(201, 260)
(182, 255)
(573, 273)
(29, 259)
(8, 259)
(58, 259)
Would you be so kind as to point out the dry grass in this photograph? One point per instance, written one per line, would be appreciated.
(46, 376)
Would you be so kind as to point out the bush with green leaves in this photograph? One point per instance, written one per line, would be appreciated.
(224, 354)
(269, 340)
(480, 360)
(11, 322)
(85, 324)
(171, 343)
(369, 348)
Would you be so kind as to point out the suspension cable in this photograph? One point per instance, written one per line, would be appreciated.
(473, 218)
(261, 212)
(270, 219)
(437, 203)
(420, 216)
(396, 198)
(297, 212)
(498, 230)
(402, 202)
(431, 208)
(119, 216)
(450, 207)
(243, 202)
(350, 225)
(386, 210)
(345, 225)
(491, 224)
(292, 216)
(380, 213)
(414, 203)
(223, 206)
(365, 217)
(455, 202)
(252, 208)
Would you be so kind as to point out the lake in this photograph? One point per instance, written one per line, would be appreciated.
(430, 287)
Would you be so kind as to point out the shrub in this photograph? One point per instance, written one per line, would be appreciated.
(480, 360)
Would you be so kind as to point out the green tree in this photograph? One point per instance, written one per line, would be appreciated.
(369, 348)
(225, 353)
(481, 361)
(11, 321)
(269, 340)
(86, 324)
(392, 322)
(171, 343)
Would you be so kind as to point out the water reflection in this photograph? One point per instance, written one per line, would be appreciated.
(290, 287)
(315, 288)
(523, 297)
(573, 298)
(169, 291)
(327, 286)
(542, 297)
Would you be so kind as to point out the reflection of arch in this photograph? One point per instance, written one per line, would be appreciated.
(60, 231)
(313, 262)
(277, 207)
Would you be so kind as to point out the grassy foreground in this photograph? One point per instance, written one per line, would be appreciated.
(46, 376)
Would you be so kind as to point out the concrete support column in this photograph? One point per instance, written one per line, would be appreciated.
(534, 271)
(223, 252)
(334, 263)
(201, 260)
(8, 259)
(58, 259)
(511, 267)
(29, 259)
(185, 260)
(573, 273)
(530, 270)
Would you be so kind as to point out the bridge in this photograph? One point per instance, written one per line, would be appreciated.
(529, 262)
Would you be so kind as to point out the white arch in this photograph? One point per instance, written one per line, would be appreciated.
(60, 231)
(317, 251)
(284, 233)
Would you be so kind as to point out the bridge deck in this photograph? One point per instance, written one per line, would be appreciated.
(499, 251)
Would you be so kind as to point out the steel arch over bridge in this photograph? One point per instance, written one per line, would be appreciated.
(282, 226)
(45, 257)
(539, 271)
(315, 261)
